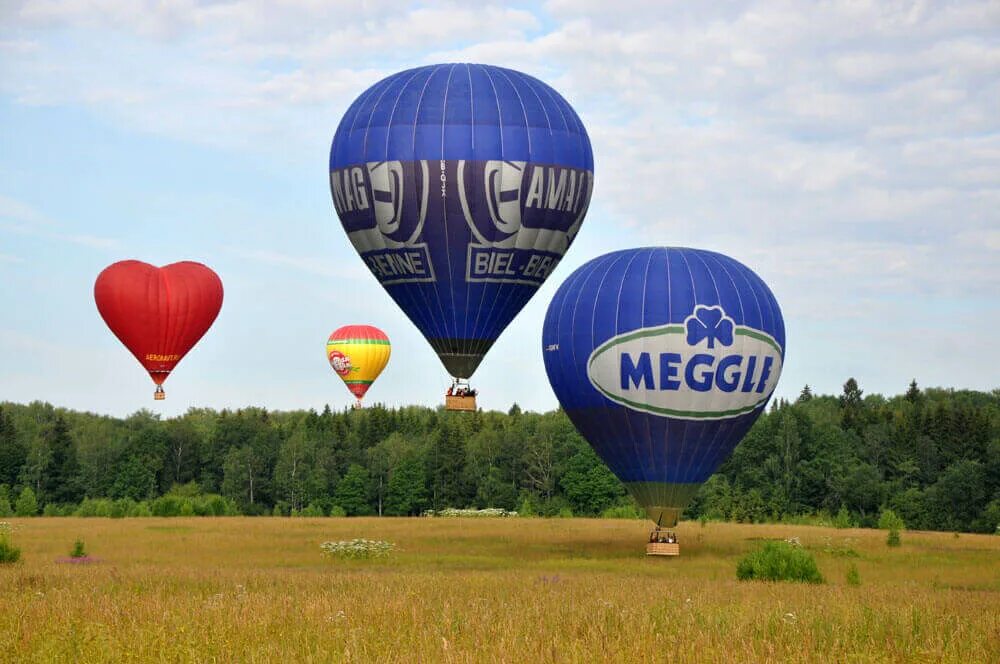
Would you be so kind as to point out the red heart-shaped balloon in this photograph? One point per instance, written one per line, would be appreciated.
(159, 313)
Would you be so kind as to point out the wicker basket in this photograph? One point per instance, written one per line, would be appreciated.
(460, 403)
(663, 549)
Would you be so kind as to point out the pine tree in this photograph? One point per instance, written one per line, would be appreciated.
(407, 492)
(805, 395)
(353, 491)
(851, 404)
(13, 452)
(446, 466)
(913, 395)
(61, 483)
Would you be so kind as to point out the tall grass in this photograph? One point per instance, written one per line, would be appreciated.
(490, 590)
(8, 552)
(779, 561)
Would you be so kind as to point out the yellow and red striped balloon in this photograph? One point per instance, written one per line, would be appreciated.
(358, 354)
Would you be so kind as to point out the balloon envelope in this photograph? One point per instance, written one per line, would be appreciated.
(358, 354)
(663, 358)
(461, 186)
(159, 313)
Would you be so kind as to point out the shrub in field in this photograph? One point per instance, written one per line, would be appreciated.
(27, 503)
(79, 550)
(91, 507)
(87, 508)
(625, 511)
(337, 511)
(893, 538)
(853, 576)
(6, 509)
(526, 507)
(889, 520)
(313, 509)
(843, 519)
(779, 561)
(167, 505)
(215, 505)
(989, 522)
(8, 552)
(140, 509)
(199, 505)
(357, 549)
(121, 508)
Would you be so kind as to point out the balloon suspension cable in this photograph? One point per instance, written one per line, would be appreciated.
(159, 394)
(357, 404)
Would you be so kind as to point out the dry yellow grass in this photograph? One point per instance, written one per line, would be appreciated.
(522, 590)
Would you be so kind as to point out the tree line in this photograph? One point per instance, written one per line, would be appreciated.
(932, 456)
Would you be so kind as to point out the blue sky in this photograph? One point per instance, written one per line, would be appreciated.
(847, 152)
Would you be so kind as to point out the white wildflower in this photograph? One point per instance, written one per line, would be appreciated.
(489, 512)
(357, 549)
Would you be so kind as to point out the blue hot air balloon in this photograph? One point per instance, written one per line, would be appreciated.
(663, 358)
(461, 186)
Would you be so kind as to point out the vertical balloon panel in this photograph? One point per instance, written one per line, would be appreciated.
(663, 358)
(461, 187)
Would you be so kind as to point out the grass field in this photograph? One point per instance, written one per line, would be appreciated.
(514, 590)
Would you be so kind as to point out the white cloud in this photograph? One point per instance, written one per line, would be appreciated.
(22, 219)
(312, 265)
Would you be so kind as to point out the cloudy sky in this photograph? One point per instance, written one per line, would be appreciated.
(849, 152)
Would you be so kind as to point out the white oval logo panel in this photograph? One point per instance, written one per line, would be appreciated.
(706, 368)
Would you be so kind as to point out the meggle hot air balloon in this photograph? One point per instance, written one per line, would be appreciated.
(159, 313)
(461, 186)
(663, 358)
(358, 354)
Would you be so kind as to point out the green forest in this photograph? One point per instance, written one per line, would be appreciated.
(932, 456)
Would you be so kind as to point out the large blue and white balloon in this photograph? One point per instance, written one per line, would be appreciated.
(461, 186)
(663, 358)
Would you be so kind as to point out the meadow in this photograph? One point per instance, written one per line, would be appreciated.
(497, 590)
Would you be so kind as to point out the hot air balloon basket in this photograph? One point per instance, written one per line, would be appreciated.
(159, 394)
(662, 543)
(661, 549)
(463, 403)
